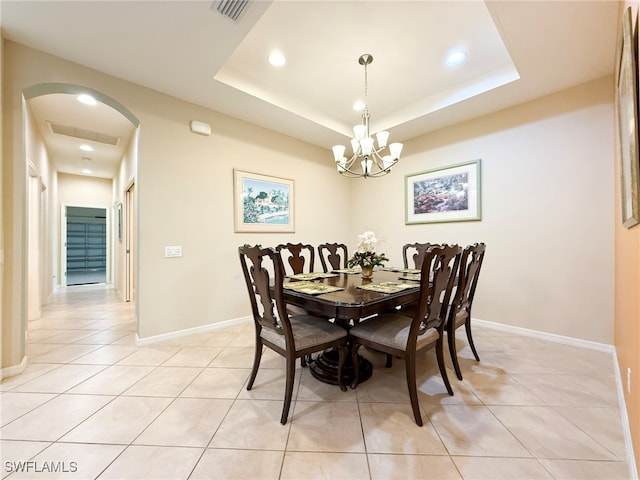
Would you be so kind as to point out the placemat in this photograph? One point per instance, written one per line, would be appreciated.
(401, 270)
(411, 276)
(348, 270)
(311, 276)
(387, 287)
(311, 288)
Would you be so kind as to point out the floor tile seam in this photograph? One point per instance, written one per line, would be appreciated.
(49, 444)
(56, 395)
(533, 455)
(247, 449)
(203, 366)
(513, 435)
(531, 391)
(68, 362)
(132, 442)
(68, 390)
(224, 417)
(31, 379)
(615, 454)
(362, 432)
(106, 467)
(75, 425)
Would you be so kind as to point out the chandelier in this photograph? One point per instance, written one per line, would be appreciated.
(368, 160)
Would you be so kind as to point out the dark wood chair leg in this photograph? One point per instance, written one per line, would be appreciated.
(291, 370)
(451, 339)
(443, 370)
(354, 360)
(410, 363)
(389, 362)
(467, 327)
(256, 363)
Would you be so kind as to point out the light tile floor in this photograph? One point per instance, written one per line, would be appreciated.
(91, 404)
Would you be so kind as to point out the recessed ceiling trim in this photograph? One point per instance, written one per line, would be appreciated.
(83, 134)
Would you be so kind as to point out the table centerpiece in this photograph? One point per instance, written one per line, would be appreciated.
(365, 255)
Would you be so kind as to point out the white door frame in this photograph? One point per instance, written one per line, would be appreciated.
(63, 241)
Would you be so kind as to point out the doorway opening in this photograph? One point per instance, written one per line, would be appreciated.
(86, 245)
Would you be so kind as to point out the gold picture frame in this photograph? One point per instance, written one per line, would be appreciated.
(627, 100)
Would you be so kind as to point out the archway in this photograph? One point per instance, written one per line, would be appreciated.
(54, 166)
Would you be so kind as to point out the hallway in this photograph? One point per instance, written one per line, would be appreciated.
(94, 405)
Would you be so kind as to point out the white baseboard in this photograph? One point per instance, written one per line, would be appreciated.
(552, 337)
(577, 342)
(14, 369)
(140, 342)
(624, 418)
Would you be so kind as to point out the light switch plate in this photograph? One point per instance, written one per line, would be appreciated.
(171, 251)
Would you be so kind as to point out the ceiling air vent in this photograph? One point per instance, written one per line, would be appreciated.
(83, 134)
(231, 8)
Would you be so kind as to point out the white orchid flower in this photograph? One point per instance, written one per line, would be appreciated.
(367, 242)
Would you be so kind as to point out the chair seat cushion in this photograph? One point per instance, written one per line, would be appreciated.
(393, 331)
(308, 331)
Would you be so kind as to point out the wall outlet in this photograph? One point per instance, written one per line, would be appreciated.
(173, 251)
(628, 380)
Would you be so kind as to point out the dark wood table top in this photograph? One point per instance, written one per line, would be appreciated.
(353, 303)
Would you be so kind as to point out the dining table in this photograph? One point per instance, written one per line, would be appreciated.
(346, 298)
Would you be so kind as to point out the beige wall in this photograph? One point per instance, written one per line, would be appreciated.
(41, 178)
(627, 301)
(185, 193)
(13, 219)
(2, 219)
(547, 210)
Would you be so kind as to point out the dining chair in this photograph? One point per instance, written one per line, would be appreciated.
(290, 336)
(418, 250)
(298, 255)
(460, 309)
(333, 256)
(403, 337)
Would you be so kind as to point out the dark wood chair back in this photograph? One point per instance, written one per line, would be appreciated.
(460, 310)
(268, 307)
(439, 269)
(398, 335)
(292, 336)
(417, 252)
(333, 256)
(300, 257)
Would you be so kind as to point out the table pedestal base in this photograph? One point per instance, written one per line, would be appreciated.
(325, 368)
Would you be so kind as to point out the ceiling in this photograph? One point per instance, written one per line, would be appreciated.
(516, 51)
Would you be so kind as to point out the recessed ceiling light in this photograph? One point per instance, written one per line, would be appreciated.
(456, 58)
(86, 148)
(358, 106)
(277, 59)
(86, 170)
(87, 99)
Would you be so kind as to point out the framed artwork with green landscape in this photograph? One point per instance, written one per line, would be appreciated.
(263, 203)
